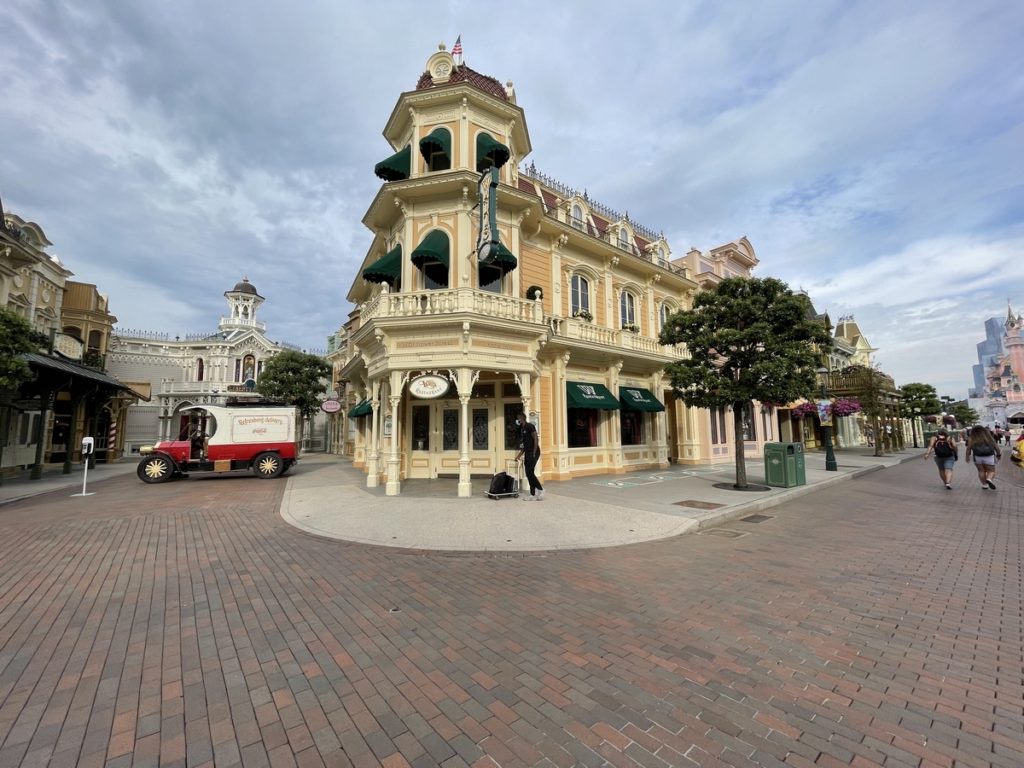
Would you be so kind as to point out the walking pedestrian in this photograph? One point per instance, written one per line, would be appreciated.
(529, 451)
(946, 454)
(983, 446)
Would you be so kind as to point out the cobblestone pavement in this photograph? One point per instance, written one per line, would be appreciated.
(877, 622)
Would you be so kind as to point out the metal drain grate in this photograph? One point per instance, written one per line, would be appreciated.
(724, 533)
(697, 504)
(756, 518)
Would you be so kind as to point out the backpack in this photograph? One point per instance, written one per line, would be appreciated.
(943, 448)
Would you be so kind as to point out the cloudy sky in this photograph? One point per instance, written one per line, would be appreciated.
(873, 152)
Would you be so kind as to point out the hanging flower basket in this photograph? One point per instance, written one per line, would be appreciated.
(846, 406)
(931, 419)
(802, 410)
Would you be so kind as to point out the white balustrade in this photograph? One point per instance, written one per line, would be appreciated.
(450, 301)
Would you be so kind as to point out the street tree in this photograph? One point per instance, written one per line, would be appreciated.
(16, 338)
(919, 400)
(965, 415)
(295, 378)
(873, 390)
(747, 339)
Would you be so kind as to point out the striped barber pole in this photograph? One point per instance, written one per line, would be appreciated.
(111, 436)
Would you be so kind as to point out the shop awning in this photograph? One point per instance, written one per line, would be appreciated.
(433, 247)
(639, 399)
(54, 368)
(386, 269)
(580, 394)
(396, 167)
(500, 257)
(439, 140)
(490, 152)
(364, 408)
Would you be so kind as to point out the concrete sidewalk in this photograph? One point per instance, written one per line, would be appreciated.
(326, 496)
(18, 487)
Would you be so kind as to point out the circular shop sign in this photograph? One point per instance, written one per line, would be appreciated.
(330, 406)
(429, 386)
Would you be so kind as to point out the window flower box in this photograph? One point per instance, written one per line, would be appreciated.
(631, 327)
(583, 314)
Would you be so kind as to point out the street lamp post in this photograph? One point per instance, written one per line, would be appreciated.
(915, 414)
(826, 431)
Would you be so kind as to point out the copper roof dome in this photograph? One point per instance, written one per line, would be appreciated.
(245, 287)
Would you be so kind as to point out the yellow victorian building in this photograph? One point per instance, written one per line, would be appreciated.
(489, 289)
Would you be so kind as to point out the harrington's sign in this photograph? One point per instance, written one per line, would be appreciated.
(429, 386)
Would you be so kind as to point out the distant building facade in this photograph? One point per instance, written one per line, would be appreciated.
(200, 369)
(1001, 400)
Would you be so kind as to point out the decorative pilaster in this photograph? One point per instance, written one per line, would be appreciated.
(373, 449)
(465, 388)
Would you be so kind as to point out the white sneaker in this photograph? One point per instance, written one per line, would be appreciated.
(527, 497)
(540, 495)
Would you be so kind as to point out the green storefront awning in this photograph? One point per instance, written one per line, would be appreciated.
(386, 269)
(500, 257)
(584, 395)
(490, 152)
(363, 408)
(439, 140)
(396, 167)
(639, 399)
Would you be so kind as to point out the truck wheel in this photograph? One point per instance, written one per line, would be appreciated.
(268, 465)
(155, 469)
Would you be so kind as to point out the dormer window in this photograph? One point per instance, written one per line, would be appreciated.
(623, 238)
(577, 217)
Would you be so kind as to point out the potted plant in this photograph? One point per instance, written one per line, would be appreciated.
(631, 327)
(583, 314)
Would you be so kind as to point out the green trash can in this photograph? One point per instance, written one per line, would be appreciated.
(784, 465)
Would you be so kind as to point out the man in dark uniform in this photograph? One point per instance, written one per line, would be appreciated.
(530, 453)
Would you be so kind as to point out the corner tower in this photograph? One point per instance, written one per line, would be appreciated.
(243, 302)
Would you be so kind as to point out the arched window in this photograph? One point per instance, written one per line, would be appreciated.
(577, 217)
(436, 150)
(623, 238)
(664, 313)
(73, 330)
(627, 309)
(580, 295)
(199, 369)
(95, 341)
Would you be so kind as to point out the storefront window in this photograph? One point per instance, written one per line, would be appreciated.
(480, 428)
(513, 435)
(450, 433)
(421, 427)
(749, 425)
(583, 424)
(632, 428)
(718, 433)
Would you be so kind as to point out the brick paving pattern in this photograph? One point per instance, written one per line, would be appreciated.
(877, 622)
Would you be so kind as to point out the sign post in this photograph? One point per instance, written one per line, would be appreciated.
(88, 445)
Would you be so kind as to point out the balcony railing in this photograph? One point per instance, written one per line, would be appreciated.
(580, 330)
(452, 301)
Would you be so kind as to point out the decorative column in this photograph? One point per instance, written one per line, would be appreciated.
(660, 426)
(464, 385)
(394, 485)
(373, 449)
(614, 427)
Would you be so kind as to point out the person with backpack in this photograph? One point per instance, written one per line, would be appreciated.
(983, 446)
(946, 454)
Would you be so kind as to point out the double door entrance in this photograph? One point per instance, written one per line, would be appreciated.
(432, 448)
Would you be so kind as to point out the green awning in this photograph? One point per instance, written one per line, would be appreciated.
(439, 140)
(584, 395)
(500, 257)
(363, 408)
(386, 269)
(639, 399)
(431, 256)
(490, 152)
(396, 167)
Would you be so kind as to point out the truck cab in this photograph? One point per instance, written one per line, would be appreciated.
(258, 438)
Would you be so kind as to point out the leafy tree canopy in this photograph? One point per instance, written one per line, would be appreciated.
(16, 338)
(296, 378)
(920, 400)
(964, 415)
(748, 339)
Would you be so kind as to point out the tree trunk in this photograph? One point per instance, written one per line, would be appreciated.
(741, 459)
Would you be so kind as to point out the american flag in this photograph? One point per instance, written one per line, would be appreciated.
(457, 48)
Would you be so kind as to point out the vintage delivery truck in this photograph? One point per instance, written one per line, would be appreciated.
(215, 438)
